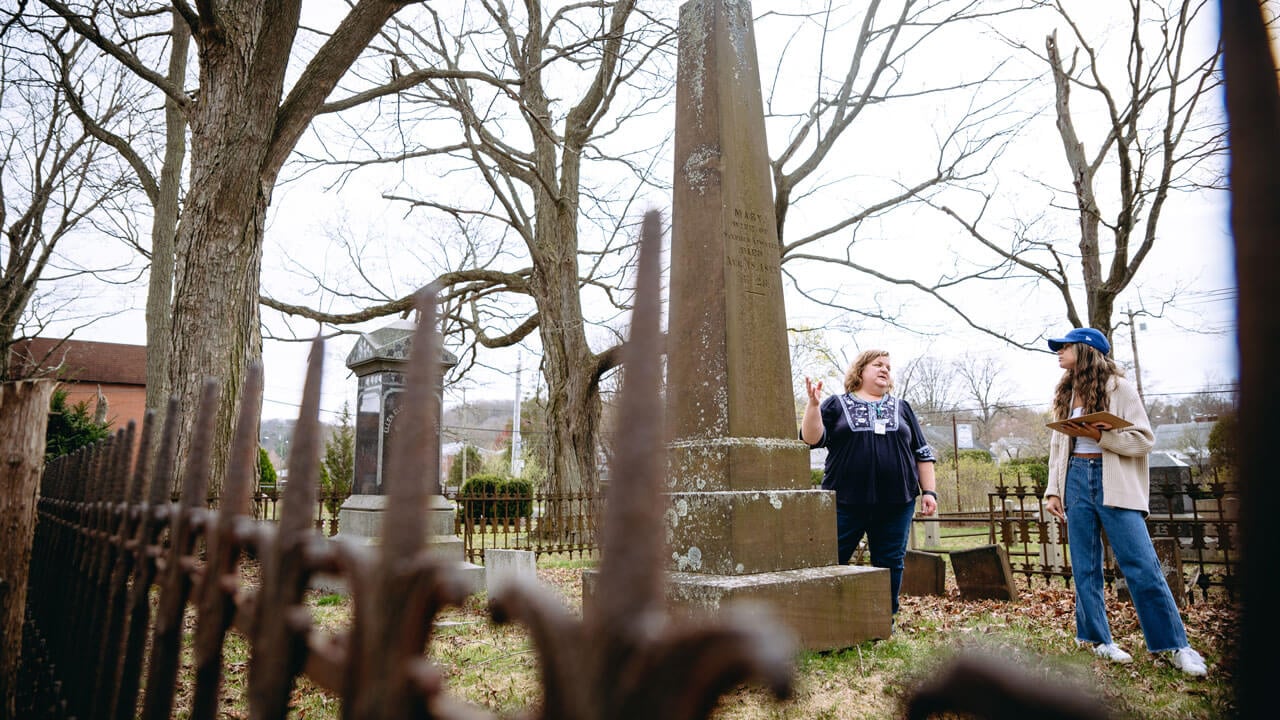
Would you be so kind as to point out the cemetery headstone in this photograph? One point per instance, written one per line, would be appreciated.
(1170, 478)
(507, 566)
(744, 522)
(983, 573)
(379, 360)
(1169, 551)
(924, 573)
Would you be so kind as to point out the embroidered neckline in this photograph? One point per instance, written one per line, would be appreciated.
(858, 412)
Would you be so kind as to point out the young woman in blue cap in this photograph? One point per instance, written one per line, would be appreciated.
(1098, 480)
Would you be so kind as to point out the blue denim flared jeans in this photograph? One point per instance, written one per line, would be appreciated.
(1127, 532)
(887, 526)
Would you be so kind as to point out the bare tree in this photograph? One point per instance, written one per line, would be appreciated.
(1137, 125)
(839, 71)
(55, 178)
(157, 163)
(983, 382)
(518, 101)
(243, 127)
(929, 384)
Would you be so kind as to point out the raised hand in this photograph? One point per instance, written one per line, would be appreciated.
(813, 390)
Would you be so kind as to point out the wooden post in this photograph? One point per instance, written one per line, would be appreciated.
(24, 414)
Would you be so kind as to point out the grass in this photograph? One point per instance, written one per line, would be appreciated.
(1034, 634)
(497, 667)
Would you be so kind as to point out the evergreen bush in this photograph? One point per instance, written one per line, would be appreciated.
(71, 426)
(502, 498)
(266, 472)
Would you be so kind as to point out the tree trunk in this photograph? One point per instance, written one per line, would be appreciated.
(573, 404)
(216, 330)
(163, 229)
(24, 414)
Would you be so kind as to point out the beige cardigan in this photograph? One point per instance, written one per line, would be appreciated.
(1126, 482)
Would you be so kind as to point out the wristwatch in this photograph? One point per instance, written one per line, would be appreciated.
(930, 493)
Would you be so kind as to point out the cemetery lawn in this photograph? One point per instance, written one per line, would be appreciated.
(496, 667)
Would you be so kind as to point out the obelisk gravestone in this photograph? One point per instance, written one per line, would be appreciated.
(745, 521)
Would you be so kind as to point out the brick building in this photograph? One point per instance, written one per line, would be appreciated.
(119, 371)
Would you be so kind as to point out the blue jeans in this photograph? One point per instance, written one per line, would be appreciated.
(1127, 531)
(886, 526)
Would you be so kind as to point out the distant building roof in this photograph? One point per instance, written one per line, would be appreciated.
(81, 360)
(941, 437)
(1164, 459)
(1013, 446)
(1177, 437)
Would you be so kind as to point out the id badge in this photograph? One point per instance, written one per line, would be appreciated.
(881, 425)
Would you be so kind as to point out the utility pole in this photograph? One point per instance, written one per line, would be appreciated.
(517, 455)
(1137, 368)
(462, 416)
(955, 459)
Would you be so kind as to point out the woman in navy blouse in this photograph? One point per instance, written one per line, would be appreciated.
(878, 462)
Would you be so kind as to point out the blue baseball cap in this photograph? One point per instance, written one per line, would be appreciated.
(1093, 338)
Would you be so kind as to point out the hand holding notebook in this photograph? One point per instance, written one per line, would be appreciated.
(1114, 421)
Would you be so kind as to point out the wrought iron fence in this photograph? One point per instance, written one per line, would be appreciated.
(265, 505)
(543, 523)
(1201, 519)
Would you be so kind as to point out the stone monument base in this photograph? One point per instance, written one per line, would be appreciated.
(828, 608)
(360, 521)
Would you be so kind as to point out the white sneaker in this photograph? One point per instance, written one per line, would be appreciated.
(1108, 651)
(1187, 660)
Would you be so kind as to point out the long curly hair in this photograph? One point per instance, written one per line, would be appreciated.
(853, 378)
(1088, 380)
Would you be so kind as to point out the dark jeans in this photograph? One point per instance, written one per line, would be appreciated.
(1087, 517)
(887, 526)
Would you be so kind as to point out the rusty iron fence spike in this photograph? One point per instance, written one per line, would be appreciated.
(705, 662)
(118, 567)
(175, 586)
(243, 458)
(88, 623)
(138, 481)
(162, 472)
(120, 464)
(113, 486)
(195, 476)
(413, 444)
(631, 575)
(305, 451)
(281, 650)
(379, 645)
(557, 637)
(216, 604)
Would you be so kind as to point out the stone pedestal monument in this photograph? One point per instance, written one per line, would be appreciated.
(378, 360)
(745, 522)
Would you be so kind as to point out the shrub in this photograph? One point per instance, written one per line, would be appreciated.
(815, 476)
(501, 498)
(468, 458)
(980, 456)
(266, 472)
(1222, 442)
(337, 468)
(1036, 468)
(976, 480)
(70, 427)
